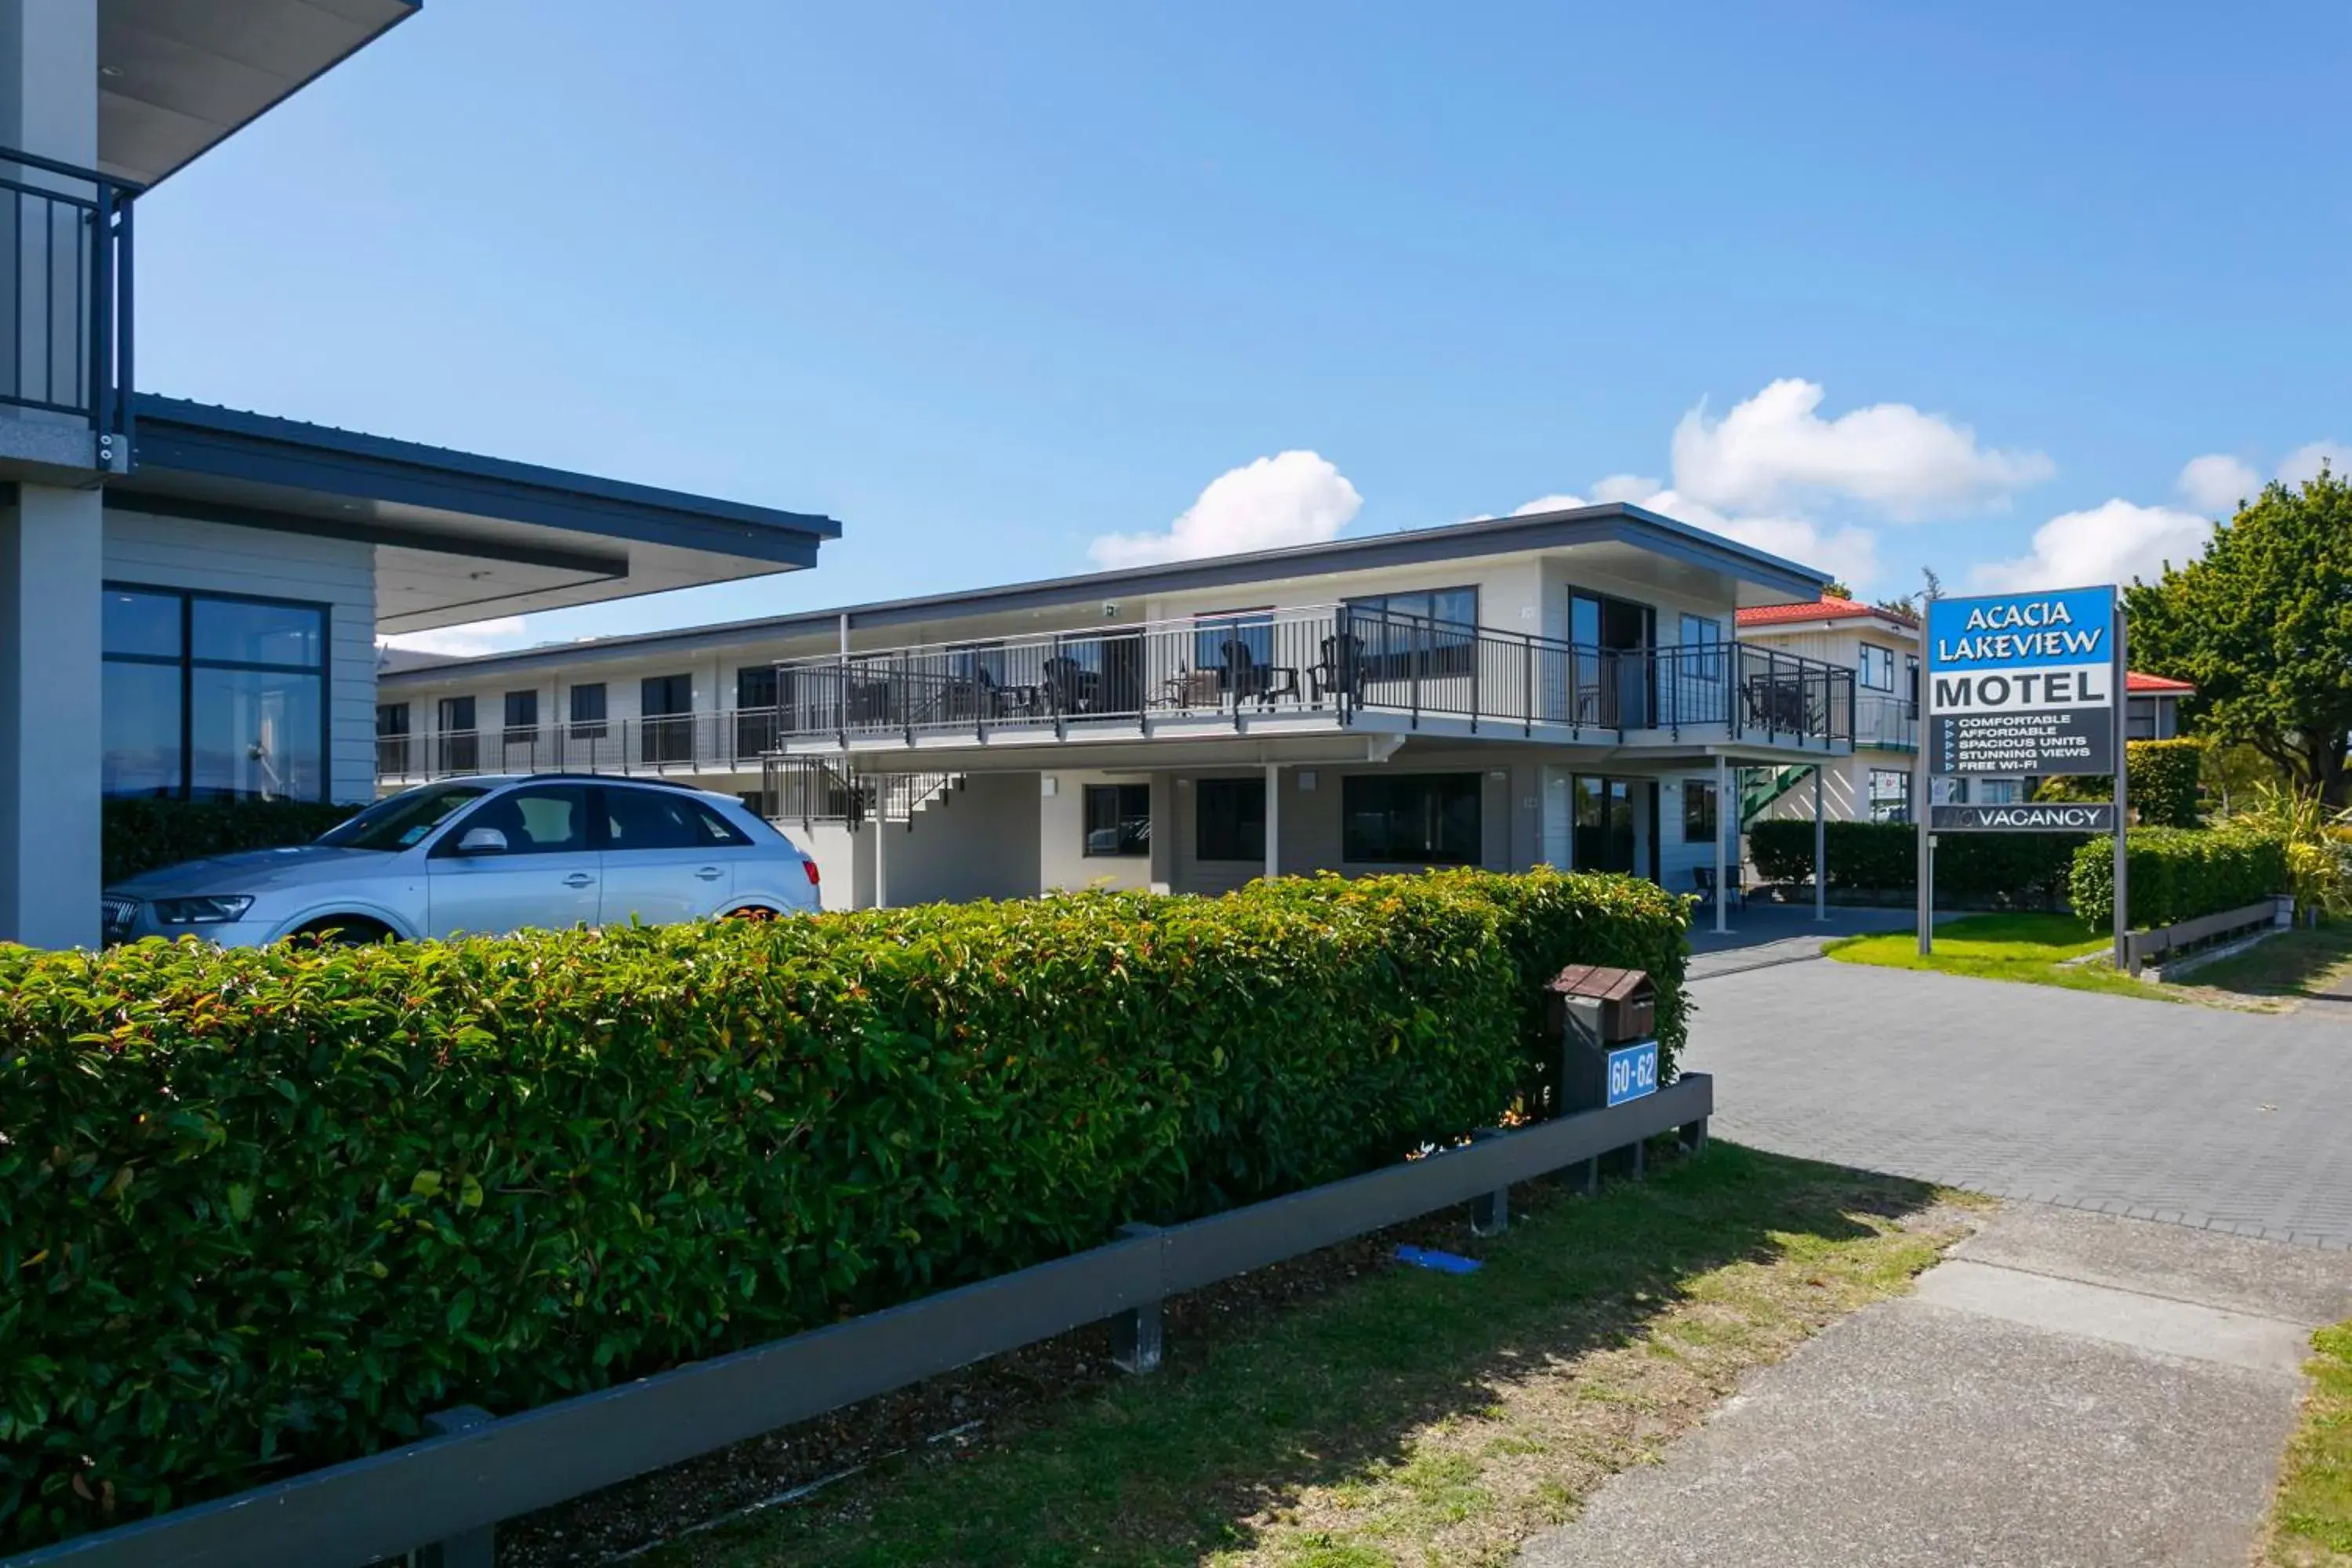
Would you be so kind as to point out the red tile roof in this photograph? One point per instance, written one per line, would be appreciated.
(2135, 681)
(1821, 610)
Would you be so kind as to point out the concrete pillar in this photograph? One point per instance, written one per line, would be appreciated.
(1164, 796)
(1273, 820)
(881, 830)
(52, 555)
(1726, 817)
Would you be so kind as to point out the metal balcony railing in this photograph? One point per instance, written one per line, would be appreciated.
(1888, 721)
(732, 741)
(1337, 662)
(65, 256)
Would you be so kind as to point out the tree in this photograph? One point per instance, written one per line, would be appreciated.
(2263, 623)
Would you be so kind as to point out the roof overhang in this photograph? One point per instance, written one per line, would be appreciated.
(177, 77)
(459, 537)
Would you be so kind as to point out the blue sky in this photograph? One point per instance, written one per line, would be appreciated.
(1016, 288)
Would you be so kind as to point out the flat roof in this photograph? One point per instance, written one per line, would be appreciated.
(1611, 523)
(460, 536)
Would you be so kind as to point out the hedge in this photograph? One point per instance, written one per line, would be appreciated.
(2016, 868)
(261, 1210)
(2163, 776)
(2178, 873)
(141, 834)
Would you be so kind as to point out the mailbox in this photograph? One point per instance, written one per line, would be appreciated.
(1607, 1020)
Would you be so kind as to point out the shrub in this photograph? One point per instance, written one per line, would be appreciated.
(2020, 870)
(2162, 775)
(263, 1209)
(141, 835)
(2178, 873)
(2318, 846)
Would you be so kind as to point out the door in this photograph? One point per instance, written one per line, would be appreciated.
(667, 704)
(668, 857)
(546, 876)
(458, 743)
(1605, 824)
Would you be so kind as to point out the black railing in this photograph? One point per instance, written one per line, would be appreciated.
(1338, 663)
(66, 342)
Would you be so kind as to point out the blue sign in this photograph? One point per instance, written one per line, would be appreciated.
(2022, 631)
(1632, 1071)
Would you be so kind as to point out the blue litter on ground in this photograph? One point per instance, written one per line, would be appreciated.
(1444, 1262)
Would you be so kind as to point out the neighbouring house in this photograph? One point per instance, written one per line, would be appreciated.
(189, 596)
(1881, 647)
(1562, 687)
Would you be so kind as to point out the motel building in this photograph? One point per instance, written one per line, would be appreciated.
(190, 595)
(1569, 688)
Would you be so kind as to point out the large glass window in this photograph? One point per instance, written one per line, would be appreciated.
(667, 702)
(1118, 819)
(588, 711)
(208, 697)
(1431, 632)
(1698, 812)
(1230, 820)
(1233, 639)
(1877, 667)
(522, 713)
(1410, 819)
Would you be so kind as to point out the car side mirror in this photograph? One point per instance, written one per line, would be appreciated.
(482, 841)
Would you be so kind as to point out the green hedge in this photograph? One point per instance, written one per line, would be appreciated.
(2178, 873)
(2163, 776)
(2021, 870)
(141, 835)
(263, 1209)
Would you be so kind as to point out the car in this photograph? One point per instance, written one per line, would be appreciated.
(484, 855)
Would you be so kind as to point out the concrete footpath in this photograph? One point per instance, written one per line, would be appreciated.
(2066, 1388)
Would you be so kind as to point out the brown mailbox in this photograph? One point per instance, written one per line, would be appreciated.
(1629, 1002)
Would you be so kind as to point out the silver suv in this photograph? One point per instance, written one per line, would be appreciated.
(484, 855)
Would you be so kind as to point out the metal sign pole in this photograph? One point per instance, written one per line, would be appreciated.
(1922, 779)
(2122, 794)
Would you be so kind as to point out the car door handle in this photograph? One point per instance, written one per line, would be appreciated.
(578, 879)
(710, 873)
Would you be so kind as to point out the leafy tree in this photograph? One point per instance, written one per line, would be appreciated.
(2263, 623)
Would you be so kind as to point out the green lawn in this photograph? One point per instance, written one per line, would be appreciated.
(2031, 948)
(2307, 962)
(2311, 1522)
(1408, 1417)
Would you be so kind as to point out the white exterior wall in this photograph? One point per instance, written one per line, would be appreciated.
(1064, 866)
(976, 842)
(174, 552)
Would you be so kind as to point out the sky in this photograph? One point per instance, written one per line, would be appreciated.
(2024, 294)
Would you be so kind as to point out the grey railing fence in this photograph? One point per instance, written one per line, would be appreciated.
(447, 1493)
(736, 740)
(65, 258)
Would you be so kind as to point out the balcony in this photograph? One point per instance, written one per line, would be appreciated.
(731, 743)
(1891, 723)
(66, 346)
(1326, 668)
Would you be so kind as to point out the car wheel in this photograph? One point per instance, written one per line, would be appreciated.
(754, 912)
(342, 931)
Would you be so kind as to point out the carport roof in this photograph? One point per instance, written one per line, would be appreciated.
(460, 536)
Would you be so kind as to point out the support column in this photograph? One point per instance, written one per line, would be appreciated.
(1821, 851)
(1163, 830)
(881, 853)
(52, 562)
(1273, 821)
(1726, 811)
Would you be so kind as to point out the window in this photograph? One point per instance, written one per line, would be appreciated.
(1698, 812)
(211, 697)
(1877, 667)
(522, 712)
(458, 747)
(1705, 634)
(1429, 633)
(392, 737)
(1410, 819)
(2000, 792)
(2139, 719)
(661, 695)
(667, 704)
(1890, 794)
(588, 711)
(402, 821)
(664, 819)
(1118, 819)
(1230, 819)
(756, 693)
(543, 819)
(1233, 637)
(755, 686)
(391, 718)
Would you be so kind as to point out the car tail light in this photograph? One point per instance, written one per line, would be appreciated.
(810, 866)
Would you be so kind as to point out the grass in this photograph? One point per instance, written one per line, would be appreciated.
(2305, 963)
(2311, 1521)
(2029, 948)
(1410, 1417)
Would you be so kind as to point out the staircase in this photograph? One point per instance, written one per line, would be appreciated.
(810, 791)
(1759, 787)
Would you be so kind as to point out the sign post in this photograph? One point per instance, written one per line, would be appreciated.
(2122, 828)
(2022, 686)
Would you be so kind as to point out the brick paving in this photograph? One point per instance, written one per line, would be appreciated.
(2230, 1122)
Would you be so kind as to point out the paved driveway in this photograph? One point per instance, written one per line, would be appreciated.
(2228, 1120)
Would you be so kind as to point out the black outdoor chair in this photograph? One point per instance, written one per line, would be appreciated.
(1341, 669)
(1070, 687)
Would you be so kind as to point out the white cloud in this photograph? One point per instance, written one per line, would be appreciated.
(2217, 482)
(464, 642)
(1849, 554)
(2302, 463)
(1294, 498)
(1549, 503)
(1627, 489)
(1776, 445)
(2110, 543)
